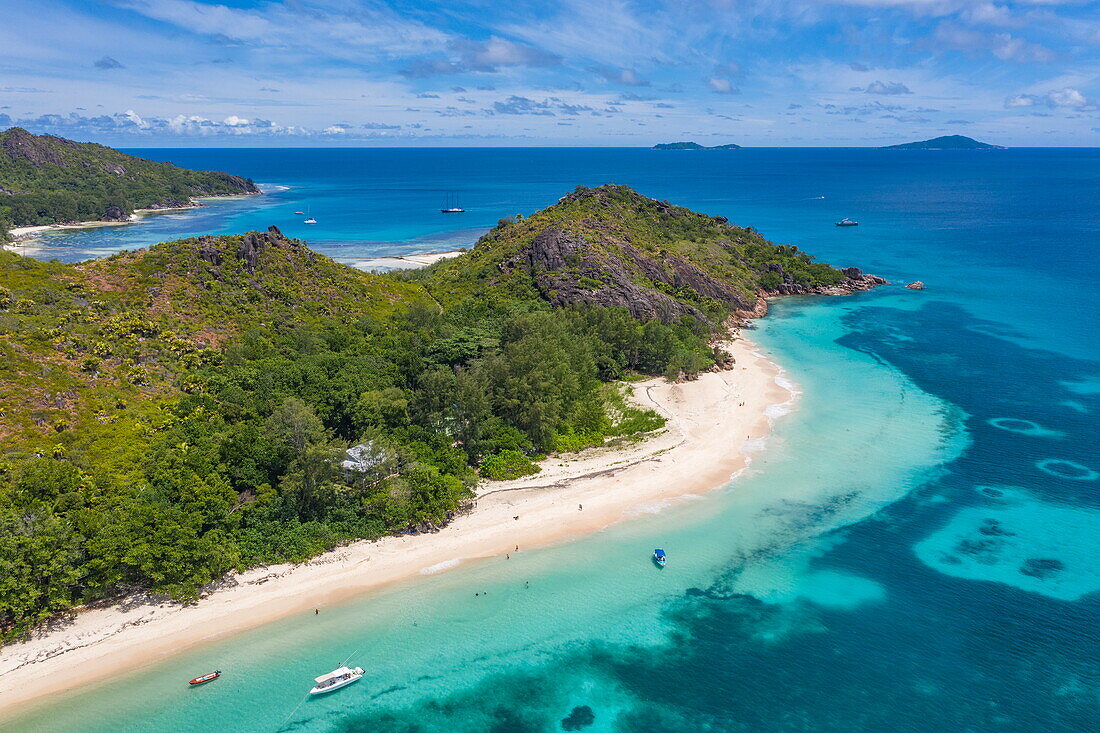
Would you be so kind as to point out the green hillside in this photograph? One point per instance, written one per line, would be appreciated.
(171, 414)
(49, 180)
(611, 246)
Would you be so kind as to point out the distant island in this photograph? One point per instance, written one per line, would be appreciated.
(688, 145)
(46, 180)
(946, 142)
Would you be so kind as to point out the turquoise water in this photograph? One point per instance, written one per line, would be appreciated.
(914, 549)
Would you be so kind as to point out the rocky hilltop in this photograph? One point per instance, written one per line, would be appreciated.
(611, 246)
(46, 179)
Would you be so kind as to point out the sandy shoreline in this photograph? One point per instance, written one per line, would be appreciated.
(404, 262)
(23, 235)
(714, 423)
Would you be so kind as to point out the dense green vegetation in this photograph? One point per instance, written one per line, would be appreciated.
(50, 180)
(171, 414)
(629, 250)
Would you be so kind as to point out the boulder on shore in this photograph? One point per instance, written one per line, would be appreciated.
(114, 213)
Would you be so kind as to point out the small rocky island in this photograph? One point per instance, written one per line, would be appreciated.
(689, 145)
(946, 142)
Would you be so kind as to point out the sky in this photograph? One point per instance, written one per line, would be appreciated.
(164, 73)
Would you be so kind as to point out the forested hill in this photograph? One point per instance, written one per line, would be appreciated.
(49, 180)
(690, 145)
(171, 414)
(946, 142)
(611, 246)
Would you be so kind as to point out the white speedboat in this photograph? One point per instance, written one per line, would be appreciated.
(334, 680)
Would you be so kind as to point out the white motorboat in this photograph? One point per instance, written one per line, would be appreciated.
(334, 680)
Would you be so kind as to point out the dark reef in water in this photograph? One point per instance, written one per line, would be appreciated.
(1042, 567)
(581, 717)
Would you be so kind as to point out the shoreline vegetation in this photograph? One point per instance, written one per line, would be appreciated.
(206, 409)
(713, 425)
(21, 236)
(49, 181)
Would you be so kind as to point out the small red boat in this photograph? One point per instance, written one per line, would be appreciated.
(206, 678)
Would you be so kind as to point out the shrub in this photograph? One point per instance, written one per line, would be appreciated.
(508, 464)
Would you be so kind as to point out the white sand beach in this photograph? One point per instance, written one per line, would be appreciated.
(21, 236)
(713, 425)
(404, 262)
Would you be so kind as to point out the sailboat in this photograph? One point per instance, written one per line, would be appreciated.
(451, 207)
(309, 219)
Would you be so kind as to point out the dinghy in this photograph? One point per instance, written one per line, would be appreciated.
(206, 678)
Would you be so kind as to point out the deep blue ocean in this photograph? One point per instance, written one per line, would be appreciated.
(916, 549)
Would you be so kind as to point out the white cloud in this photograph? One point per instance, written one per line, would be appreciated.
(1067, 98)
(721, 85)
(1005, 46)
(608, 32)
(482, 56)
(361, 31)
(629, 77)
(891, 87)
(1071, 98)
(135, 118)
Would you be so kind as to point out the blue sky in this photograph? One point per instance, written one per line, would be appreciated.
(564, 72)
